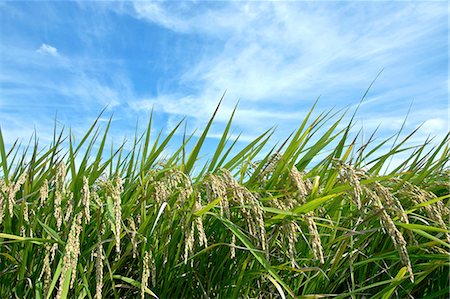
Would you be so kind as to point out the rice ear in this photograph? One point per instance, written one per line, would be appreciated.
(390, 228)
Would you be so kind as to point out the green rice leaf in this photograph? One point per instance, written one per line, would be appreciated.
(135, 283)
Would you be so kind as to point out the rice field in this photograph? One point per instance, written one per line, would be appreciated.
(80, 220)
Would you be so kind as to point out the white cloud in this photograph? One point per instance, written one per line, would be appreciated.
(154, 12)
(278, 57)
(66, 87)
(435, 126)
(47, 49)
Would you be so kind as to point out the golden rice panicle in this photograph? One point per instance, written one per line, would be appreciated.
(259, 215)
(233, 246)
(72, 252)
(26, 215)
(254, 216)
(53, 251)
(60, 177)
(183, 186)
(46, 271)
(300, 184)
(26, 220)
(270, 166)
(393, 205)
(3, 195)
(161, 192)
(391, 202)
(76, 249)
(291, 230)
(145, 274)
(57, 210)
(217, 188)
(117, 211)
(390, 228)
(435, 211)
(174, 181)
(152, 268)
(277, 204)
(162, 187)
(59, 193)
(99, 270)
(97, 200)
(303, 188)
(189, 242)
(85, 200)
(201, 232)
(133, 233)
(43, 193)
(69, 210)
(352, 176)
(13, 189)
(224, 207)
(315, 237)
(284, 204)
(255, 220)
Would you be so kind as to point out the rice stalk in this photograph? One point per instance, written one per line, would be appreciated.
(390, 228)
(303, 188)
(186, 215)
(72, 251)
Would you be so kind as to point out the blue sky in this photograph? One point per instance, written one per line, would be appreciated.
(75, 58)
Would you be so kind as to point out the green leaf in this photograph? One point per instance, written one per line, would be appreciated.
(422, 227)
(220, 147)
(303, 209)
(66, 284)
(55, 278)
(258, 255)
(389, 290)
(51, 232)
(208, 207)
(431, 237)
(194, 154)
(135, 283)
(3, 156)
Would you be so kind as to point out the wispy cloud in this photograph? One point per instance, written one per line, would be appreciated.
(179, 58)
(38, 83)
(47, 49)
(281, 55)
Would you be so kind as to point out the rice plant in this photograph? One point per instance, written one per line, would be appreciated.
(77, 221)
